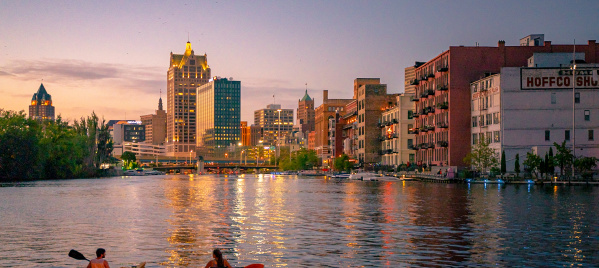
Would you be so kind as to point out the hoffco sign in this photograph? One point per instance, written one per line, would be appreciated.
(558, 78)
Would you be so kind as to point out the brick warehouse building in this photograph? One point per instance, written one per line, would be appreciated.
(443, 96)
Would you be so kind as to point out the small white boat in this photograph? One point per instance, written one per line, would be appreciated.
(340, 176)
(365, 176)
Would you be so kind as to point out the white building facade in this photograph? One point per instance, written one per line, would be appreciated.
(397, 138)
(528, 109)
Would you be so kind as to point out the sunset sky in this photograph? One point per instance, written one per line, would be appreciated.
(111, 57)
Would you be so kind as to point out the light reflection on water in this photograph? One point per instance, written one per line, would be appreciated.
(289, 221)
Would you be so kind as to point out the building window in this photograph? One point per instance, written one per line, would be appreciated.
(576, 97)
(591, 135)
(409, 114)
(547, 135)
(474, 139)
(553, 98)
(496, 136)
(567, 135)
(587, 115)
(474, 123)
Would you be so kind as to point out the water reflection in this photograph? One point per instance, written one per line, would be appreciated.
(290, 221)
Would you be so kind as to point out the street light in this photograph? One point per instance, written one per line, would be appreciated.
(190, 156)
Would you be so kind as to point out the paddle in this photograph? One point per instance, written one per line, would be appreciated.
(76, 255)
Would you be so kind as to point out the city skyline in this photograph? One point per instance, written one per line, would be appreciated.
(110, 57)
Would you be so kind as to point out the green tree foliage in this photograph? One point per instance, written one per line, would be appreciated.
(517, 165)
(551, 164)
(482, 156)
(19, 138)
(302, 159)
(585, 165)
(342, 163)
(128, 159)
(533, 163)
(563, 157)
(31, 149)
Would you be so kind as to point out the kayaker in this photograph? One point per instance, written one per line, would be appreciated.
(99, 262)
(218, 261)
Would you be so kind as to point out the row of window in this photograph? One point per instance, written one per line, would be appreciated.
(486, 119)
(492, 137)
(590, 135)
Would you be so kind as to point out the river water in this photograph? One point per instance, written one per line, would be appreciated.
(291, 221)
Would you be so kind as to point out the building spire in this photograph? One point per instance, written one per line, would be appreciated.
(160, 101)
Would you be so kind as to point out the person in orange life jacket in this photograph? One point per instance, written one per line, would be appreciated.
(99, 262)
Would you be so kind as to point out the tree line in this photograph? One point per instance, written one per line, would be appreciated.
(31, 149)
(483, 158)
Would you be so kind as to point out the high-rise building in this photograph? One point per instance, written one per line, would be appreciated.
(372, 100)
(275, 122)
(328, 109)
(246, 134)
(443, 100)
(186, 73)
(41, 105)
(305, 113)
(218, 112)
(155, 125)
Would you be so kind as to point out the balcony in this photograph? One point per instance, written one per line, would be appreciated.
(412, 147)
(443, 105)
(442, 143)
(387, 151)
(442, 125)
(423, 146)
(423, 129)
(431, 92)
(428, 109)
(380, 125)
(414, 82)
(414, 98)
(431, 128)
(431, 145)
(394, 121)
(424, 94)
(388, 123)
(413, 131)
(382, 138)
(442, 69)
(415, 114)
(442, 87)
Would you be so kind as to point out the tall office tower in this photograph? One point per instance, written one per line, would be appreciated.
(155, 125)
(275, 123)
(373, 100)
(41, 105)
(219, 113)
(305, 113)
(186, 72)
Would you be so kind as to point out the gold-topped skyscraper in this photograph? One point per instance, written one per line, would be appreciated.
(186, 72)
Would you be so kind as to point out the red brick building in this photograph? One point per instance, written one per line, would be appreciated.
(443, 95)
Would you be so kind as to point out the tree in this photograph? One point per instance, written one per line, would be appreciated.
(563, 157)
(533, 163)
(503, 167)
(546, 165)
(342, 163)
(482, 156)
(517, 165)
(19, 148)
(584, 166)
(551, 162)
(129, 158)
